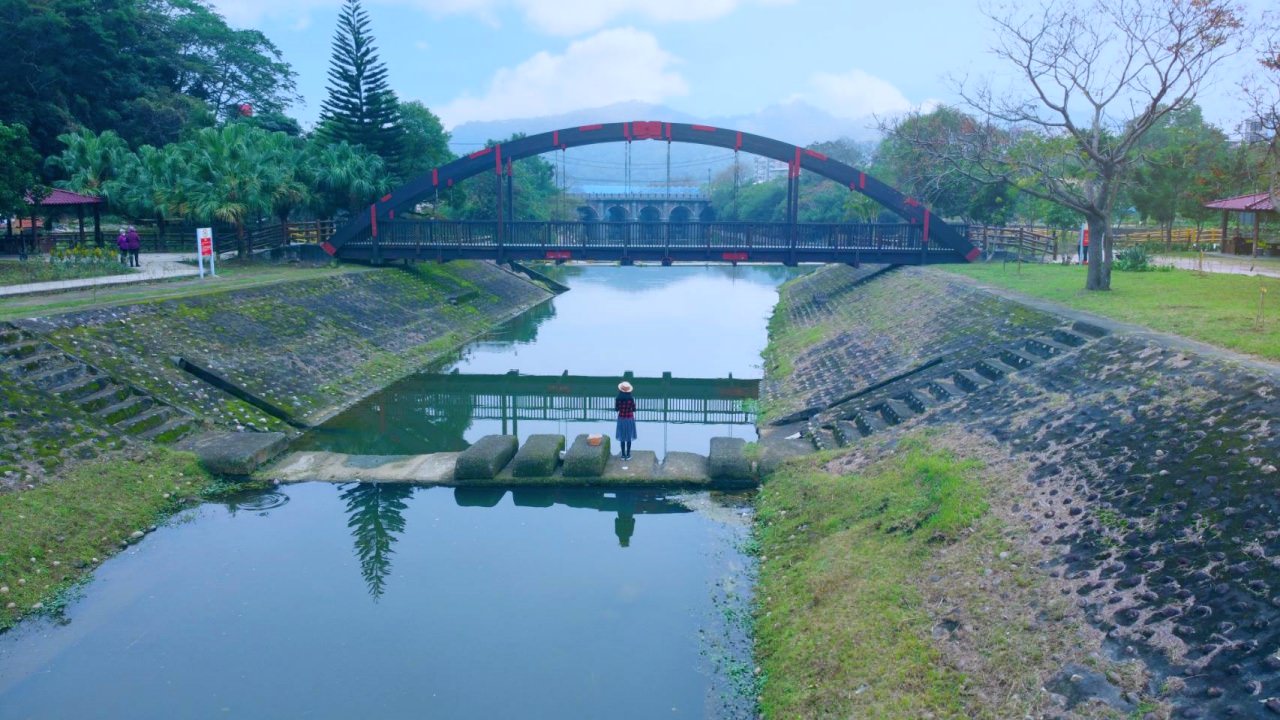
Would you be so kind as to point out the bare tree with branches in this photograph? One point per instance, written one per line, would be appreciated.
(1092, 77)
(1262, 91)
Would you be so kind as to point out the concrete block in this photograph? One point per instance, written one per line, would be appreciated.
(641, 469)
(583, 460)
(684, 467)
(486, 458)
(234, 453)
(728, 460)
(539, 456)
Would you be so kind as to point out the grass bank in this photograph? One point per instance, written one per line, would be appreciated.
(54, 534)
(1230, 311)
(36, 270)
(898, 590)
(231, 276)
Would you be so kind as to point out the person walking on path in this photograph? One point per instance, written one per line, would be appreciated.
(626, 407)
(134, 243)
(122, 242)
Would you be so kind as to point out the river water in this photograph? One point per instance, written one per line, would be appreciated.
(395, 601)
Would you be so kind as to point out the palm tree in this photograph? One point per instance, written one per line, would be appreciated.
(345, 177)
(227, 178)
(148, 183)
(89, 161)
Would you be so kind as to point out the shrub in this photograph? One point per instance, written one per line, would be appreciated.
(1133, 259)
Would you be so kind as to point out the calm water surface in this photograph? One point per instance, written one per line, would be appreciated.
(391, 601)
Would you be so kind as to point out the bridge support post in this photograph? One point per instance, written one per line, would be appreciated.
(500, 227)
(793, 208)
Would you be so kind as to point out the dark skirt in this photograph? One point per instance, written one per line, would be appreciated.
(626, 431)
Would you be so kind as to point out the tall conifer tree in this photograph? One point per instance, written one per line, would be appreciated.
(361, 108)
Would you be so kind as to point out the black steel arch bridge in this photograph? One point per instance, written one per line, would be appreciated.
(380, 236)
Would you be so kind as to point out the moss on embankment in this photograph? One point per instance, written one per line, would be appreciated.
(1132, 514)
(308, 347)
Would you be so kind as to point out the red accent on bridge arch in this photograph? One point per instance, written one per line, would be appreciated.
(973, 255)
(703, 128)
(862, 181)
(815, 154)
(373, 219)
(925, 237)
(555, 138)
(668, 131)
(328, 248)
(589, 128)
(497, 159)
(386, 197)
(479, 153)
(435, 177)
(737, 142)
(646, 130)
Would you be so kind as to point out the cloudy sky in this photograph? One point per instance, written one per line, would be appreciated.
(498, 59)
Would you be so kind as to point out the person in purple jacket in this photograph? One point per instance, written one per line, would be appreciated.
(133, 242)
(122, 242)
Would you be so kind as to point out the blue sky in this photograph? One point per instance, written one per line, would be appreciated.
(498, 59)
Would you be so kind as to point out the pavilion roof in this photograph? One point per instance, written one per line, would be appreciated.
(66, 197)
(1257, 202)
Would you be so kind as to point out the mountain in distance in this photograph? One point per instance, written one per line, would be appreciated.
(598, 165)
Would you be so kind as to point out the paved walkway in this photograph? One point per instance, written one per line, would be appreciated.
(155, 266)
(1229, 264)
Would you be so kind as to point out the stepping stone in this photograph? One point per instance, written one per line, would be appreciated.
(1017, 359)
(584, 460)
(728, 460)
(993, 369)
(235, 453)
(484, 459)
(641, 468)
(685, 467)
(1069, 338)
(539, 457)
(1089, 329)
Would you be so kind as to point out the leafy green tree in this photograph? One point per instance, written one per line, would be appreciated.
(148, 184)
(361, 108)
(1178, 154)
(147, 69)
(19, 165)
(225, 67)
(426, 143)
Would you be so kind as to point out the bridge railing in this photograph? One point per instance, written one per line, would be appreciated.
(651, 235)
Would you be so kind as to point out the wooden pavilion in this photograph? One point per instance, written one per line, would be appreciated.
(56, 203)
(1255, 204)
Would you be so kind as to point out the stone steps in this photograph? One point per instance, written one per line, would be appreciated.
(892, 406)
(32, 361)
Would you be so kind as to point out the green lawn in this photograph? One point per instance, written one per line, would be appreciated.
(35, 270)
(231, 276)
(1231, 311)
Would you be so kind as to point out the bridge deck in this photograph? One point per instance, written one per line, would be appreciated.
(891, 243)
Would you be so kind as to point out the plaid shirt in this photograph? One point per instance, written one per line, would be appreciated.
(626, 407)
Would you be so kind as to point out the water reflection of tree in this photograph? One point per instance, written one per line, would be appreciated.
(375, 514)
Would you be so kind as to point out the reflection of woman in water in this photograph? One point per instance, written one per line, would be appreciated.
(626, 407)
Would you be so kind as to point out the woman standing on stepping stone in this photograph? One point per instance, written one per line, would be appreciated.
(626, 407)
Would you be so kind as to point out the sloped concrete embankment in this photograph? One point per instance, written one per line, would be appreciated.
(1152, 488)
(308, 348)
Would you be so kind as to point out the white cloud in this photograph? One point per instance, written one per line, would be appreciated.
(574, 17)
(608, 67)
(251, 13)
(854, 94)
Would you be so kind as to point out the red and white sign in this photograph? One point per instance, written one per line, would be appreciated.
(204, 249)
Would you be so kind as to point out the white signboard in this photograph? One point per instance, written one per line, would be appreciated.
(204, 249)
